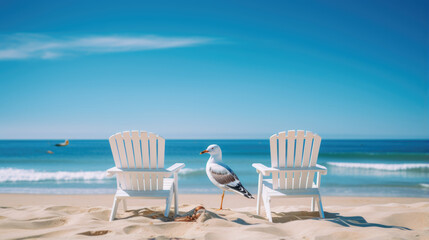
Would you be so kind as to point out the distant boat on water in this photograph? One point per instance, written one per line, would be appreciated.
(65, 143)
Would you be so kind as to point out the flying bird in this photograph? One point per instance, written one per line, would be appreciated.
(221, 175)
(65, 143)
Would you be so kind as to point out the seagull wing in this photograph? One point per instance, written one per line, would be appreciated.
(224, 175)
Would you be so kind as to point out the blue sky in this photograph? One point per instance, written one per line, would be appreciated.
(217, 69)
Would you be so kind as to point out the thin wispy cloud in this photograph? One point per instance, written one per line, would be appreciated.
(37, 46)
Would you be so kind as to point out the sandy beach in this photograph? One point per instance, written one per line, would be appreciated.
(25, 216)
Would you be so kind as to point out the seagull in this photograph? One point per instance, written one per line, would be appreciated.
(221, 175)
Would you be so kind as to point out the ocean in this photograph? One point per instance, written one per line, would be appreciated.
(388, 168)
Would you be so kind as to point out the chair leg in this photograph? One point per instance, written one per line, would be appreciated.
(168, 203)
(176, 206)
(313, 202)
(124, 204)
(259, 197)
(267, 207)
(319, 203)
(114, 208)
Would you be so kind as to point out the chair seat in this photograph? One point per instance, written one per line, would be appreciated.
(167, 187)
(268, 187)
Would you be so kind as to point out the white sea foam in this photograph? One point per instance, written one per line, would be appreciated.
(382, 166)
(425, 185)
(30, 175)
(188, 171)
(57, 190)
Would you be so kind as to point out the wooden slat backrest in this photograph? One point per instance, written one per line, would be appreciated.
(306, 157)
(152, 157)
(314, 157)
(274, 161)
(137, 157)
(290, 156)
(298, 158)
(302, 152)
(145, 158)
(130, 178)
(161, 151)
(282, 156)
(124, 180)
(115, 152)
(144, 149)
(138, 150)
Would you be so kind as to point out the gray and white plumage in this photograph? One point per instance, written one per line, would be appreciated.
(221, 175)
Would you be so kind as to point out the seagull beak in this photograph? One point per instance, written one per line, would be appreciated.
(205, 151)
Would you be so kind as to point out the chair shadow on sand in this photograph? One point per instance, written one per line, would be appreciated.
(153, 214)
(283, 217)
(355, 221)
(147, 213)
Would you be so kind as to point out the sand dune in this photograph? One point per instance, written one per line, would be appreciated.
(77, 217)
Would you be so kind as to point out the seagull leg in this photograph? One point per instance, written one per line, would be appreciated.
(221, 202)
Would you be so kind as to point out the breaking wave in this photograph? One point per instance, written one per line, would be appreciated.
(192, 171)
(31, 175)
(382, 166)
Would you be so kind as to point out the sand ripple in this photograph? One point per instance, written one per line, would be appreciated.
(370, 221)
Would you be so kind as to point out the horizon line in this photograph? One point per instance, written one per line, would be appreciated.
(191, 139)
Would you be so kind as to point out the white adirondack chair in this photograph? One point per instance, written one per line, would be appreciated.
(294, 177)
(140, 173)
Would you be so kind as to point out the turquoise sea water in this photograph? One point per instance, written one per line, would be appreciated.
(355, 167)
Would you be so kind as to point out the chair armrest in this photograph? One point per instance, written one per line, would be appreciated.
(111, 171)
(323, 170)
(261, 168)
(176, 167)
